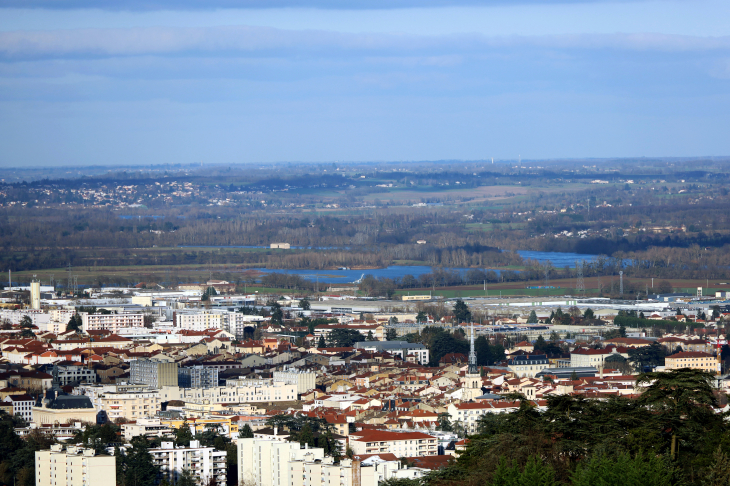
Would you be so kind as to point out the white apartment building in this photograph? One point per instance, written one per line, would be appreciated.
(110, 322)
(22, 406)
(468, 414)
(412, 352)
(62, 315)
(39, 318)
(147, 427)
(74, 467)
(401, 444)
(269, 462)
(204, 462)
(585, 358)
(199, 321)
(241, 391)
(305, 380)
(73, 373)
(236, 323)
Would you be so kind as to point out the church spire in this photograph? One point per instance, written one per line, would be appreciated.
(472, 370)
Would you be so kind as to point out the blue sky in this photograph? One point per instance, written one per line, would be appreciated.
(141, 82)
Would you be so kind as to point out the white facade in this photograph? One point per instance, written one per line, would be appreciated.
(74, 467)
(242, 391)
(305, 380)
(148, 427)
(204, 462)
(39, 318)
(199, 321)
(22, 406)
(110, 322)
(268, 462)
(401, 444)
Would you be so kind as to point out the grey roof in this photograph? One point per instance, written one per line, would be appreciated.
(66, 402)
(490, 396)
(580, 371)
(386, 345)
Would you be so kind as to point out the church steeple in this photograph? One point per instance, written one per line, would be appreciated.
(472, 370)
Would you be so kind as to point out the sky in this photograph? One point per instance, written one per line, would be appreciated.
(226, 82)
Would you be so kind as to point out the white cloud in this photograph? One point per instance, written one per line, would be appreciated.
(249, 40)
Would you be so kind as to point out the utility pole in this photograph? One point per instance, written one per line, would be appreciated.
(580, 286)
(621, 284)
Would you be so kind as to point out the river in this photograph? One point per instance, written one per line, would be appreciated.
(396, 271)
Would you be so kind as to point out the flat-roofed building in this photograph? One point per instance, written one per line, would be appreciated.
(197, 376)
(131, 405)
(205, 463)
(110, 322)
(401, 444)
(270, 462)
(74, 466)
(154, 373)
(407, 351)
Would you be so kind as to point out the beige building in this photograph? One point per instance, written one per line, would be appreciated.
(692, 359)
(204, 462)
(50, 416)
(269, 462)
(74, 467)
(236, 391)
(130, 405)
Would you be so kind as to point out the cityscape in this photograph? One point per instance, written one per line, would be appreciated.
(315, 243)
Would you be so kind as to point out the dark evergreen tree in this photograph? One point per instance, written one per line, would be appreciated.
(140, 469)
(461, 312)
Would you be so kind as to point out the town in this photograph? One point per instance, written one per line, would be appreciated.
(206, 384)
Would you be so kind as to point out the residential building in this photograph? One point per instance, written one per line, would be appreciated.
(74, 466)
(528, 365)
(692, 359)
(197, 377)
(401, 444)
(131, 405)
(154, 373)
(468, 414)
(146, 427)
(305, 380)
(414, 352)
(204, 462)
(270, 462)
(22, 406)
(69, 372)
(589, 357)
(235, 391)
(199, 321)
(110, 322)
